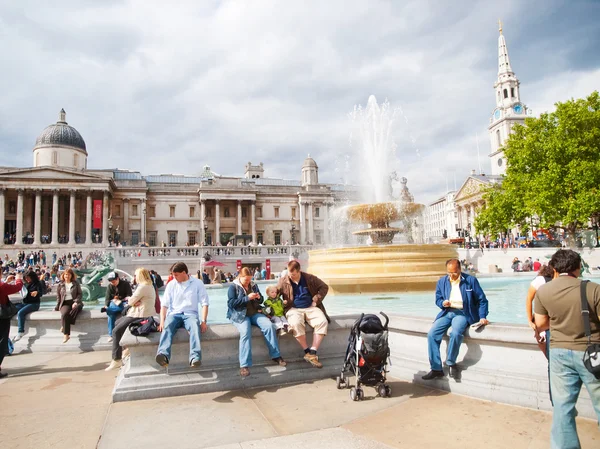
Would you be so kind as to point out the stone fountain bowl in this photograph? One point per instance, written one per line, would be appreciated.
(379, 215)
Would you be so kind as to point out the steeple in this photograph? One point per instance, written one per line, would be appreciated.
(62, 116)
(509, 109)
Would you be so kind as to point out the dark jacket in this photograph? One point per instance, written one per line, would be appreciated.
(76, 294)
(123, 290)
(34, 287)
(317, 288)
(237, 301)
(475, 304)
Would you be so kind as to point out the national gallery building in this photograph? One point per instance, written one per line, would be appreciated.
(59, 201)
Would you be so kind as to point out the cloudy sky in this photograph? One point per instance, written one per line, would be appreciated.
(167, 87)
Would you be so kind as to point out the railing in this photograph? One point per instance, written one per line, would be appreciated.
(212, 251)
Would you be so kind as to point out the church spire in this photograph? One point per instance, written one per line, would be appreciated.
(503, 60)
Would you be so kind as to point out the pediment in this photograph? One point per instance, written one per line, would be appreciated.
(48, 173)
(470, 188)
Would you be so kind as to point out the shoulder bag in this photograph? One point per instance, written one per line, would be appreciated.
(8, 310)
(591, 356)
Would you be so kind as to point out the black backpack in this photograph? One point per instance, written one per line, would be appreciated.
(158, 280)
(143, 327)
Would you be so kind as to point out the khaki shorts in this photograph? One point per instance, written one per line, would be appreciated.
(311, 315)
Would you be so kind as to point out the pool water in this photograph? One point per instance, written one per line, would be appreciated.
(506, 298)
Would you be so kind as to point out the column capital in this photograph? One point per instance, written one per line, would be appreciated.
(239, 201)
(217, 200)
(20, 191)
(202, 201)
(126, 200)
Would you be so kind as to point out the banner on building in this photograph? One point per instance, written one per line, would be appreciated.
(97, 214)
(268, 267)
(238, 265)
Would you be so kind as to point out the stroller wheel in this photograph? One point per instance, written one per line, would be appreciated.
(353, 394)
(339, 383)
(381, 390)
(388, 391)
(360, 393)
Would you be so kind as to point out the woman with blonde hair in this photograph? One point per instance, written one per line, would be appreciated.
(141, 306)
(68, 301)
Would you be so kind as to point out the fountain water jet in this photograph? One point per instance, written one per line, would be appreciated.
(381, 267)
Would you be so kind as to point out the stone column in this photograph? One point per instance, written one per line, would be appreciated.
(253, 220)
(2, 217)
(239, 217)
(217, 223)
(202, 221)
(325, 223)
(126, 220)
(144, 224)
(72, 218)
(37, 221)
(19, 230)
(105, 218)
(88, 218)
(55, 202)
(302, 223)
(311, 224)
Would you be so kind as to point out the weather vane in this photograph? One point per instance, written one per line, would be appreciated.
(500, 26)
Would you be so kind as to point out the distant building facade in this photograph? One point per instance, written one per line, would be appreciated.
(441, 219)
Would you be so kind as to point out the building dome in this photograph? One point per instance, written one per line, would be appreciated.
(309, 162)
(60, 135)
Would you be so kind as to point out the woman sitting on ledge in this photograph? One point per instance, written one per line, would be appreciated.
(244, 311)
(68, 301)
(141, 306)
(31, 301)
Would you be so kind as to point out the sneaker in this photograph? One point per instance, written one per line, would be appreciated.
(162, 360)
(313, 359)
(110, 339)
(18, 336)
(195, 363)
(115, 364)
(280, 361)
(66, 338)
(433, 374)
(244, 372)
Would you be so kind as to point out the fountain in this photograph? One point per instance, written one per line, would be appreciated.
(381, 266)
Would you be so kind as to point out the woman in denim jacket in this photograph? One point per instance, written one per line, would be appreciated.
(244, 310)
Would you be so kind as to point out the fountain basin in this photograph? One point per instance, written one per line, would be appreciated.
(381, 268)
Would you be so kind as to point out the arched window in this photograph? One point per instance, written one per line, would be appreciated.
(54, 158)
(75, 160)
(505, 93)
(512, 92)
(499, 138)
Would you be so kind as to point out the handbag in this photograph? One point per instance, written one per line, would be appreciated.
(8, 310)
(143, 327)
(157, 301)
(591, 356)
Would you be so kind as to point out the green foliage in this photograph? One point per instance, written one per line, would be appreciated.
(553, 171)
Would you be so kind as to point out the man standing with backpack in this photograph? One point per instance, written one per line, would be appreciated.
(558, 306)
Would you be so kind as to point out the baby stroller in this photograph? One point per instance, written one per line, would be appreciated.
(366, 357)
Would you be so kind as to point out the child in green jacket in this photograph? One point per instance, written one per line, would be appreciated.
(274, 308)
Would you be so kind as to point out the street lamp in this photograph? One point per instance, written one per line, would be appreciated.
(205, 234)
(144, 229)
(293, 234)
(110, 227)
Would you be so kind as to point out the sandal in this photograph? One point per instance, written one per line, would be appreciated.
(244, 372)
(280, 361)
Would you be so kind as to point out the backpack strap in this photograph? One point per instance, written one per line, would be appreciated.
(585, 313)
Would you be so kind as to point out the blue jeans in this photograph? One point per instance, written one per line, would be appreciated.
(269, 331)
(23, 311)
(455, 318)
(114, 313)
(567, 374)
(191, 323)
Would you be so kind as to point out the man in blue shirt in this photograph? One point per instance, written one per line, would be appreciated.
(463, 303)
(180, 304)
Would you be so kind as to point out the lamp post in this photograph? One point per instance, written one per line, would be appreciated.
(205, 233)
(110, 227)
(293, 234)
(144, 228)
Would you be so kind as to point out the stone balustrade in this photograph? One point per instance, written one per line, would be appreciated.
(213, 251)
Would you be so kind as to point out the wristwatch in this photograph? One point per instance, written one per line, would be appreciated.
(202, 321)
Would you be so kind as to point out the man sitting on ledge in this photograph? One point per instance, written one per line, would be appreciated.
(180, 304)
(303, 296)
(463, 303)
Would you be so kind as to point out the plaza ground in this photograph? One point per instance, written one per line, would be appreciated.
(53, 400)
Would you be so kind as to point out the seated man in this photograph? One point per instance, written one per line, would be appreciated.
(116, 293)
(303, 296)
(180, 303)
(463, 303)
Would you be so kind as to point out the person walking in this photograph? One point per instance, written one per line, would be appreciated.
(68, 301)
(558, 307)
(243, 309)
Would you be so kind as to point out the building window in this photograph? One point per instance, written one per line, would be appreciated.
(152, 238)
(192, 235)
(172, 211)
(512, 92)
(226, 212)
(192, 211)
(277, 237)
(208, 212)
(135, 238)
(152, 211)
(117, 210)
(75, 160)
(498, 138)
(317, 212)
(276, 210)
(208, 238)
(505, 93)
(12, 207)
(54, 158)
(259, 238)
(134, 210)
(259, 212)
(244, 212)
(293, 212)
(172, 238)
(318, 237)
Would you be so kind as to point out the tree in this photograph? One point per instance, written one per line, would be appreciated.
(553, 171)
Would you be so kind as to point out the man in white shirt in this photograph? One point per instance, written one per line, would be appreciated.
(180, 308)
